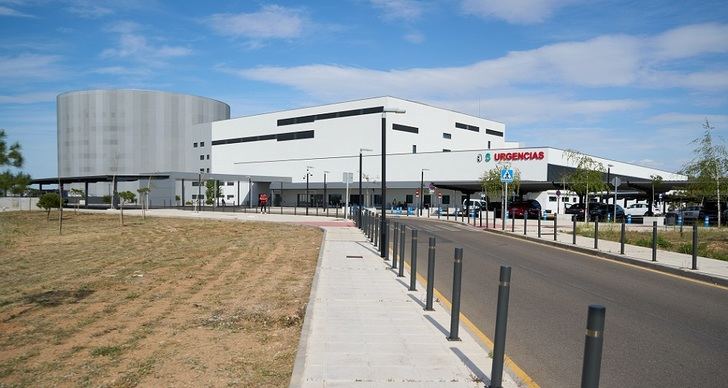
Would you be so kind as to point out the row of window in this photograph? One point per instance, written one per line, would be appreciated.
(330, 115)
(553, 198)
(468, 127)
(202, 144)
(278, 137)
(202, 157)
(405, 128)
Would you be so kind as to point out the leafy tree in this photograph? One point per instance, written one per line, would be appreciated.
(125, 197)
(47, 202)
(588, 175)
(143, 196)
(77, 193)
(10, 155)
(210, 195)
(708, 169)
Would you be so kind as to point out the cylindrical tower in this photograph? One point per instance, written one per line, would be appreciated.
(122, 131)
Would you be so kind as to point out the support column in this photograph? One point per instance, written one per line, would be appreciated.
(238, 194)
(183, 193)
(85, 195)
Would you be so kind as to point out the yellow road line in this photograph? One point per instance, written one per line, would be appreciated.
(508, 362)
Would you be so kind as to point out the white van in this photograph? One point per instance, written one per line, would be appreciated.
(476, 204)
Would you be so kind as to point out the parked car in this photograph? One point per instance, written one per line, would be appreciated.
(641, 209)
(604, 212)
(475, 205)
(577, 210)
(690, 212)
(710, 209)
(531, 207)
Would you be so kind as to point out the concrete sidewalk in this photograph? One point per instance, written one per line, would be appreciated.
(363, 328)
(711, 270)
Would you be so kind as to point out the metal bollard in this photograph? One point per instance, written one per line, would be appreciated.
(539, 227)
(372, 223)
(596, 233)
(395, 243)
(402, 237)
(621, 238)
(573, 219)
(456, 283)
(695, 246)
(593, 347)
(654, 240)
(413, 262)
(480, 214)
(501, 323)
(513, 224)
(494, 217)
(430, 274)
(556, 232)
(525, 218)
(376, 231)
(486, 217)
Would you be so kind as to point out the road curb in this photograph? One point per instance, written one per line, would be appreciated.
(299, 364)
(620, 258)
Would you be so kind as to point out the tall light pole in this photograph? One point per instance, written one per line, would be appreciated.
(382, 220)
(359, 199)
(422, 187)
(326, 201)
(609, 170)
(308, 197)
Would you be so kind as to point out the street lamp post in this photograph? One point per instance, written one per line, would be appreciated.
(308, 197)
(422, 187)
(325, 197)
(359, 199)
(609, 170)
(382, 220)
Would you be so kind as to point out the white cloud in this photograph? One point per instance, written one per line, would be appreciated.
(90, 9)
(693, 119)
(270, 22)
(514, 11)
(121, 70)
(6, 11)
(135, 46)
(407, 10)
(29, 98)
(604, 61)
(690, 41)
(414, 37)
(25, 67)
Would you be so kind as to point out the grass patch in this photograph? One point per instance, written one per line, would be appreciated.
(140, 304)
(712, 242)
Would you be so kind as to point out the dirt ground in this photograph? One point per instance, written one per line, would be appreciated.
(161, 302)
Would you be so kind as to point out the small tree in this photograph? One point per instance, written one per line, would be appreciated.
(210, 195)
(707, 170)
(125, 197)
(78, 193)
(588, 176)
(47, 202)
(143, 196)
(491, 183)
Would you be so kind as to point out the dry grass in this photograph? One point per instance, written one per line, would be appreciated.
(166, 302)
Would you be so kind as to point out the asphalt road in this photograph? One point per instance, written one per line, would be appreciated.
(661, 331)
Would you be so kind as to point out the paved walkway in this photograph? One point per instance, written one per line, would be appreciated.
(364, 329)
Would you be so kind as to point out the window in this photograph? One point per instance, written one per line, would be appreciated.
(201, 196)
(230, 196)
(445, 150)
(330, 115)
(493, 132)
(202, 157)
(552, 198)
(468, 127)
(194, 145)
(230, 183)
(445, 199)
(566, 199)
(207, 156)
(208, 170)
(202, 144)
(446, 135)
(195, 183)
(414, 148)
(409, 198)
(279, 137)
(405, 128)
(488, 144)
(202, 170)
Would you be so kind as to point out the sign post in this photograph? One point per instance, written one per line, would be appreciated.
(506, 177)
(558, 200)
(348, 178)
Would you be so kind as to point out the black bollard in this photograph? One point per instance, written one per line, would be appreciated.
(654, 240)
(480, 215)
(555, 227)
(402, 236)
(413, 262)
(501, 323)
(430, 274)
(376, 231)
(456, 282)
(486, 217)
(596, 233)
(513, 224)
(593, 347)
(395, 243)
(385, 243)
(695, 246)
(621, 238)
(573, 219)
(525, 218)
(539, 227)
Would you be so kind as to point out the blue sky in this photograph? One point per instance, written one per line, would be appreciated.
(629, 80)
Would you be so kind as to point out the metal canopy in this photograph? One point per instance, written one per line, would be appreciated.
(471, 187)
